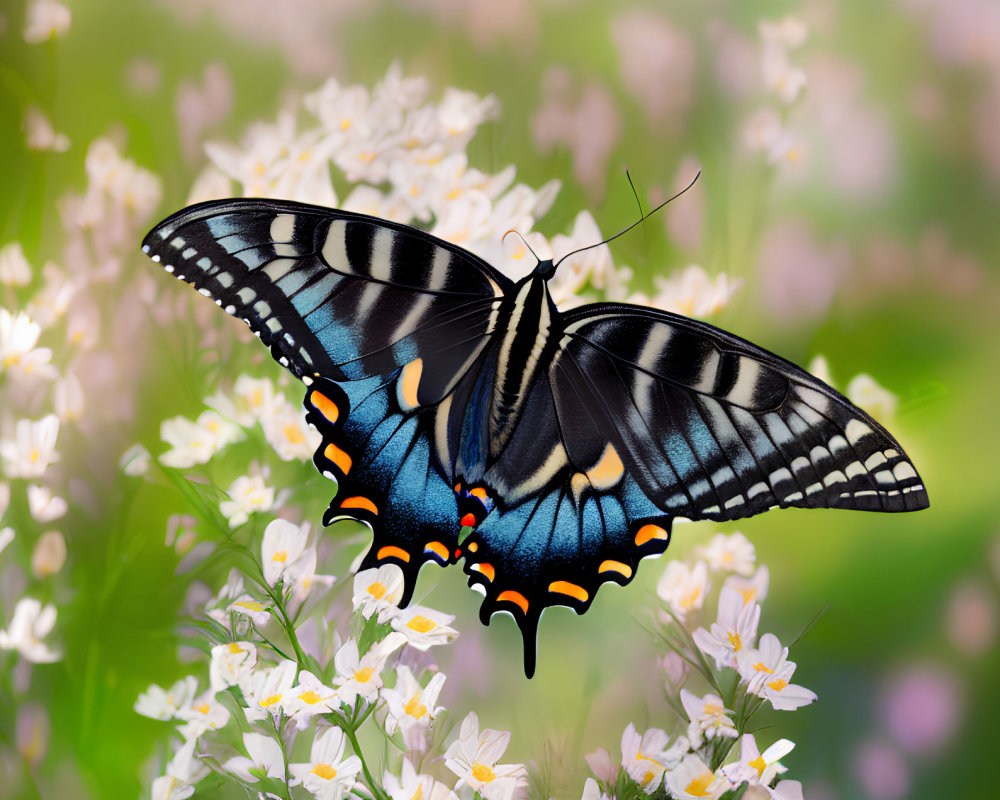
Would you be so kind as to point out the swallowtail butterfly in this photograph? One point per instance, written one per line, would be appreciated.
(465, 417)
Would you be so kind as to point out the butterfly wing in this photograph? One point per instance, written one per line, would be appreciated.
(714, 427)
(382, 320)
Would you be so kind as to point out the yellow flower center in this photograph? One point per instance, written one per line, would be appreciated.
(699, 786)
(270, 701)
(760, 666)
(421, 624)
(647, 778)
(310, 697)
(294, 434)
(280, 556)
(758, 764)
(482, 773)
(234, 648)
(364, 675)
(252, 605)
(325, 771)
(777, 685)
(689, 600)
(419, 794)
(415, 708)
(734, 640)
(204, 708)
(376, 590)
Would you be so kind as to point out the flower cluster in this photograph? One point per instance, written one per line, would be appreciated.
(742, 673)
(286, 693)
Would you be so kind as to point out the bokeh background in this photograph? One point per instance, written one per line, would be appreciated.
(865, 232)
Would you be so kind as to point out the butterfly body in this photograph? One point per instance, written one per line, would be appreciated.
(465, 417)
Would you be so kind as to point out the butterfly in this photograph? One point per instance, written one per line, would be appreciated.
(465, 417)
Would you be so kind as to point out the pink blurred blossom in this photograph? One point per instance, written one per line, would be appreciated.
(881, 771)
(799, 276)
(202, 106)
(971, 617)
(656, 62)
(736, 59)
(585, 120)
(487, 22)
(33, 732)
(684, 216)
(921, 707)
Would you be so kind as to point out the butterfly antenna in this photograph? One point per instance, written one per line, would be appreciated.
(641, 219)
(635, 194)
(518, 235)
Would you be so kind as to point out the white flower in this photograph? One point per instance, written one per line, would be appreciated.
(864, 391)
(305, 578)
(232, 665)
(14, 267)
(708, 717)
(379, 589)
(27, 627)
(265, 757)
(327, 774)
(269, 690)
(752, 589)
(786, 790)
(592, 265)
(286, 431)
(646, 757)
(308, 698)
(767, 671)
(732, 553)
(167, 787)
(683, 588)
(46, 19)
(18, 337)
(196, 442)
(43, 505)
(248, 606)
(135, 461)
(474, 756)
(248, 495)
(204, 713)
(411, 707)
(735, 629)
(424, 627)
(6, 537)
(67, 397)
(592, 791)
(283, 551)
(159, 703)
(410, 785)
(693, 293)
(41, 135)
(361, 676)
(49, 554)
(755, 767)
(693, 779)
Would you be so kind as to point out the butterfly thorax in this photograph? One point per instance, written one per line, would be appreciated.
(525, 333)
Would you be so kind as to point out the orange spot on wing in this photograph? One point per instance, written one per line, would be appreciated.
(649, 532)
(409, 382)
(325, 406)
(468, 521)
(437, 548)
(473, 547)
(608, 471)
(570, 590)
(391, 551)
(486, 569)
(337, 456)
(360, 502)
(516, 598)
(479, 492)
(615, 566)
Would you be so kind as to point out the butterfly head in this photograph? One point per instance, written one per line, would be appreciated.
(545, 270)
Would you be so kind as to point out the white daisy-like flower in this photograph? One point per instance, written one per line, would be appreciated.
(45, 506)
(379, 590)
(6, 537)
(411, 707)
(32, 449)
(247, 495)
(757, 768)
(735, 630)
(730, 553)
(410, 785)
(167, 787)
(270, 689)
(286, 431)
(693, 779)
(30, 623)
(265, 757)
(14, 267)
(473, 758)
(204, 713)
(196, 442)
(683, 588)
(18, 352)
(135, 461)
(752, 589)
(864, 391)
(283, 551)
(163, 704)
(327, 774)
(768, 673)
(308, 698)
(40, 133)
(361, 676)
(646, 757)
(693, 293)
(709, 717)
(46, 19)
(424, 627)
(49, 554)
(232, 664)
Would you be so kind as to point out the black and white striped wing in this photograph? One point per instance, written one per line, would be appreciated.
(332, 293)
(713, 427)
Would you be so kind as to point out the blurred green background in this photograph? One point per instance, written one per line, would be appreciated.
(874, 245)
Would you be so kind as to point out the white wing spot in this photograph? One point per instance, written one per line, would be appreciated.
(854, 469)
(874, 460)
(904, 471)
(283, 228)
(188, 253)
(856, 431)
